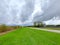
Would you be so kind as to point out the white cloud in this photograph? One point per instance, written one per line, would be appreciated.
(53, 21)
(23, 12)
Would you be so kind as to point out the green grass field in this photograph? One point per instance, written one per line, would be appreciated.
(27, 36)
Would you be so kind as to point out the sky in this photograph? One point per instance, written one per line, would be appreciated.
(25, 12)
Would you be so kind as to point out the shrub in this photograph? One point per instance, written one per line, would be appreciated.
(3, 28)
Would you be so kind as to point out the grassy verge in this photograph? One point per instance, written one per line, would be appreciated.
(27, 36)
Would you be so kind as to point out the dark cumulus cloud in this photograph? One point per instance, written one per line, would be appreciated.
(25, 12)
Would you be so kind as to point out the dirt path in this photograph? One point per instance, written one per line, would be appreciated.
(56, 31)
(6, 32)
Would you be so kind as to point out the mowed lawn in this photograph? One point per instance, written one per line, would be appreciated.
(27, 36)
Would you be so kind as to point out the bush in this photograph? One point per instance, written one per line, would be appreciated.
(3, 28)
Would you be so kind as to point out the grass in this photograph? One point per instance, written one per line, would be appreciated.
(27, 36)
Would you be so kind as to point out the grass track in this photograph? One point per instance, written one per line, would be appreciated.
(27, 36)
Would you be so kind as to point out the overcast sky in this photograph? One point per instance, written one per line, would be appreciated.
(25, 12)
